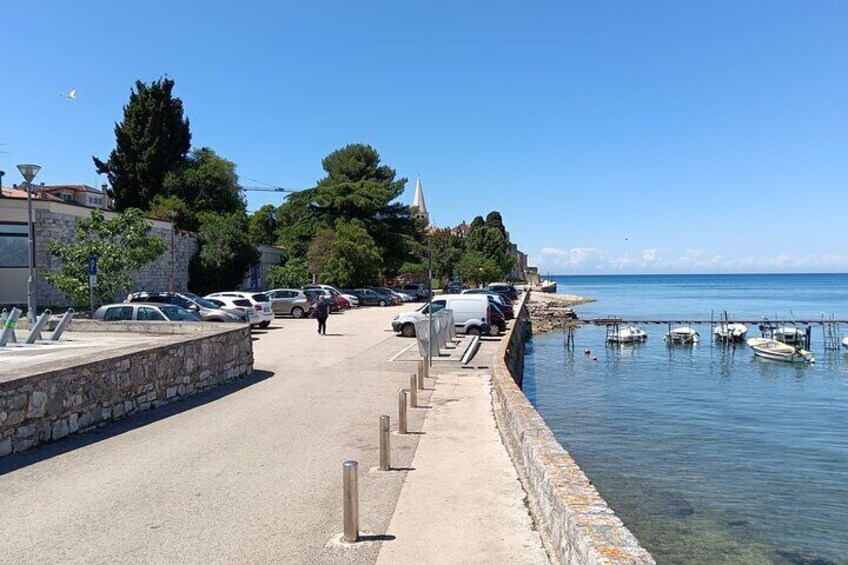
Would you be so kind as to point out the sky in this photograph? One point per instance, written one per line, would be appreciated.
(613, 136)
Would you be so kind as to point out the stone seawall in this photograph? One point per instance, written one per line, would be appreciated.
(41, 405)
(576, 524)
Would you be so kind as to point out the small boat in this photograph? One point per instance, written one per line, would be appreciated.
(789, 335)
(779, 351)
(683, 335)
(845, 342)
(730, 331)
(548, 285)
(627, 334)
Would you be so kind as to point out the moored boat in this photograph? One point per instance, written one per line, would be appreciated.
(683, 335)
(627, 334)
(732, 331)
(548, 285)
(789, 335)
(845, 342)
(778, 351)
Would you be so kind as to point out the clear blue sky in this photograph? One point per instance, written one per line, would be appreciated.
(614, 136)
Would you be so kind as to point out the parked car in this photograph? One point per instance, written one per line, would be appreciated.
(367, 297)
(454, 287)
(290, 302)
(471, 314)
(419, 291)
(500, 299)
(504, 288)
(261, 304)
(405, 296)
(241, 306)
(144, 312)
(315, 293)
(394, 297)
(205, 310)
(334, 292)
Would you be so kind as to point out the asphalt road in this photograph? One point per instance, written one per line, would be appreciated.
(249, 473)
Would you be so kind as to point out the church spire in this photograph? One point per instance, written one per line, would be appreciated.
(418, 202)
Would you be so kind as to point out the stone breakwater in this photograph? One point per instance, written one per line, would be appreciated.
(575, 523)
(49, 403)
(548, 312)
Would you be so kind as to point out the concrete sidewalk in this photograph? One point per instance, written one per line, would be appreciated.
(463, 503)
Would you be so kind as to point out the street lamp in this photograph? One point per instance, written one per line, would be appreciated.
(29, 172)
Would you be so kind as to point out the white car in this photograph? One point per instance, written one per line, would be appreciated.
(354, 301)
(333, 291)
(261, 304)
(243, 305)
(470, 314)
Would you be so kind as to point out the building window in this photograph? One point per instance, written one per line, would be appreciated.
(13, 245)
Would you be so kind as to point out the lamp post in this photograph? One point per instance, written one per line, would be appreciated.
(28, 172)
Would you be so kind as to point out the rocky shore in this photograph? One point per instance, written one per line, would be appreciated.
(552, 311)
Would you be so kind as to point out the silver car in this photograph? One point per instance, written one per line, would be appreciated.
(289, 301)
(144, 312)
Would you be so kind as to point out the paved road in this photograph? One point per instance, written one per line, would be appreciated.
(247, 474)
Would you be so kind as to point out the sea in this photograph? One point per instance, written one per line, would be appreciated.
(707, 453)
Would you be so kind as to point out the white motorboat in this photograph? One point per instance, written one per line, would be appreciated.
(548, 285)
(627, 334)
(845, 342)
(789, 335)
(730, 331)
(683, 335)
(778, 351)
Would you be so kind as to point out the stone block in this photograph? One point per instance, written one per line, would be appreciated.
(171, 392)
(5, 447)
(60, 429)
(37, 404)
(73, 423)
(25, 431)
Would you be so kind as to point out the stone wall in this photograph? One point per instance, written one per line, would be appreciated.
(42, 406)
(576, 525)
(58, 222)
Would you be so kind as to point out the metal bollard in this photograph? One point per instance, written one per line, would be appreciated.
(402, 411)
(421, 375)
(413, 392)
(35, 330)
(7, 335)
(385, 443)
(63, 323)
(351, 501)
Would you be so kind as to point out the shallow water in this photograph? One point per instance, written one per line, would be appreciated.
(708, 455)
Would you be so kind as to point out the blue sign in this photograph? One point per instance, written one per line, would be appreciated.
(92, 265)
(254, 276)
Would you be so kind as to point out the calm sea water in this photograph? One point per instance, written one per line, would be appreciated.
(708, 455)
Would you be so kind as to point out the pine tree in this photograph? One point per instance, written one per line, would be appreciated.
(152, 141)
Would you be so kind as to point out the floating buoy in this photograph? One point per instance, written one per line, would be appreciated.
(586, 352)
(594, 358)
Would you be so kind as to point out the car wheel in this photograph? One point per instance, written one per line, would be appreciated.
(297, 312)
(407, 330)
(382, 303)
(264, 324)
(473, 330)
(495, 331)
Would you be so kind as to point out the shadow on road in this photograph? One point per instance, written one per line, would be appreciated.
(46, 451)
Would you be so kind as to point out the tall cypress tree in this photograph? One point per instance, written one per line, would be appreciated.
(152, 141)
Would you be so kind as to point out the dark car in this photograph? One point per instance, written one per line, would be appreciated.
(205, 310)
(497, 317)
(506, 307)
(367, 297)
(505, 289)
(454, 287)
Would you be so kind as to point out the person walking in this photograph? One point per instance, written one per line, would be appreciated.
(322, 312)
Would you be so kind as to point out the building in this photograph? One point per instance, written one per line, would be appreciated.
(418, 204)
(79, 194)
(257, 275)
(56, 219)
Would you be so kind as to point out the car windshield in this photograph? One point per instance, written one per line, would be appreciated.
(176, 314)
(202, 302)
(259, 297)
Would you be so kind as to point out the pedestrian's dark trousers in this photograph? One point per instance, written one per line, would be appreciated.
(322, 325)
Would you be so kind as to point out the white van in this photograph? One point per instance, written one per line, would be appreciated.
(470, 314)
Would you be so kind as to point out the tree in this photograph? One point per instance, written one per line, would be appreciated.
(490, 241)
(152, 141)
(495, 220)
(448, 249)
(294, 274)
(263, 225)
(226, 253)
(122, 245)
(347, 256)
(171, 209)
(206, 182)
(356, 188)
(474, 266)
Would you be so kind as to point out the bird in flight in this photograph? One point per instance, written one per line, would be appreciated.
(72, 95)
